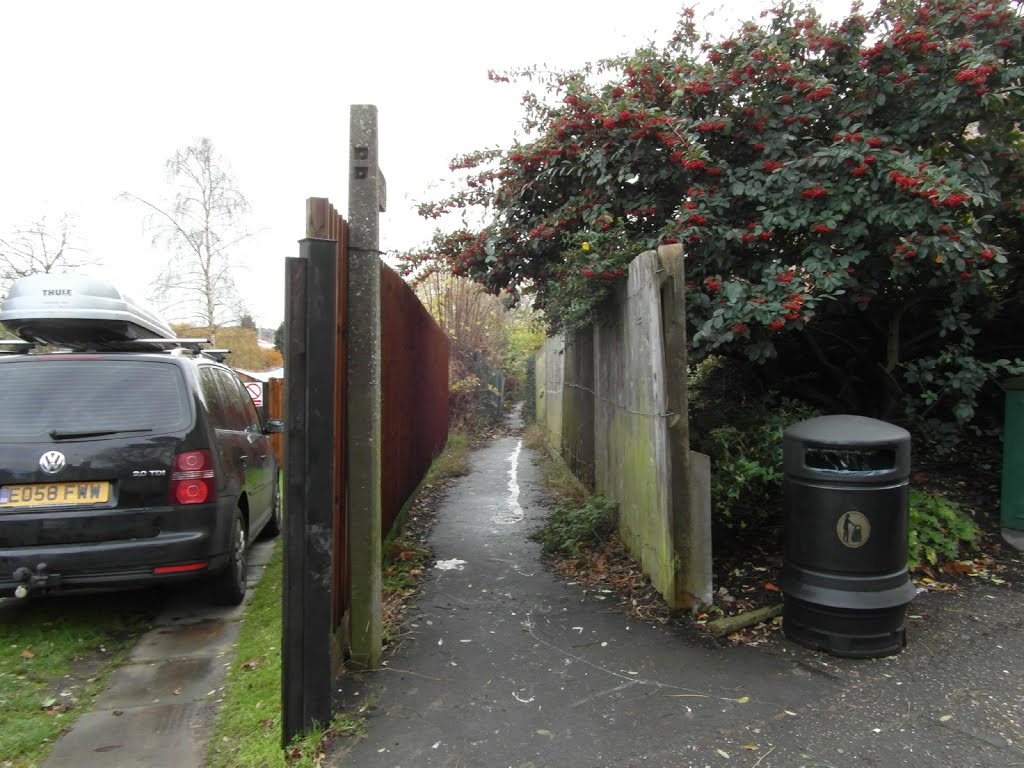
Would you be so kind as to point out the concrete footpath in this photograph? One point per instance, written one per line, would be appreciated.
(157, 709)
(505, 664)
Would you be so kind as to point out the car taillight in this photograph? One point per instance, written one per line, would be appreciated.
(192, 478)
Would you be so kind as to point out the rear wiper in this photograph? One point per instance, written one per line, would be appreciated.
(61, 434)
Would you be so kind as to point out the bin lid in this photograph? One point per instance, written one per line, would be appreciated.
(855, 449)
(846, 430)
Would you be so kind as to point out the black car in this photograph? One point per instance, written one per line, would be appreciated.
(125, 469)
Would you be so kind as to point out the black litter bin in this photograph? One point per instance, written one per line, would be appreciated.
(847, 509)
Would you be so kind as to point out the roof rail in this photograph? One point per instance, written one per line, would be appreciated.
(169, 343)
(172, 345)
(216, 354)
(190, 345)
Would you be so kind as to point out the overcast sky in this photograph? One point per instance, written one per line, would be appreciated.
(97, 95)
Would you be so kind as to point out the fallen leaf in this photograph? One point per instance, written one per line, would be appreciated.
(770, 586)
(48, 703)
(177, 691)
(944, 718)
(250, 664)
(743, 700)
(27, 654)
(723, 753)
(751, 747)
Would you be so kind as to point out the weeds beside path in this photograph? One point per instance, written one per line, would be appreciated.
(747, 568)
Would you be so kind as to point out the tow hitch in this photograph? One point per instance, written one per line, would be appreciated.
(38, 579)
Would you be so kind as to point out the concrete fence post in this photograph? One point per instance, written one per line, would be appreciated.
(365, 200)
(691, 516)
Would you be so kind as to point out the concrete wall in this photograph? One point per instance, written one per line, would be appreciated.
(631, 452)
(540, 386)
(550, 385)
(603, 400)
(578, 406)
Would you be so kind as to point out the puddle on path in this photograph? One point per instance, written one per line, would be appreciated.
(513, 513)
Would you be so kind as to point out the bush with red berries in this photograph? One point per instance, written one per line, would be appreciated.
(849, 196)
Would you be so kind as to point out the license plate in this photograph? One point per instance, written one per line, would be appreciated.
(54, 494)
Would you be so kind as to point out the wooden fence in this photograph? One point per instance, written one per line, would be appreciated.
(414, 393)
(320, 451)
(323, 222)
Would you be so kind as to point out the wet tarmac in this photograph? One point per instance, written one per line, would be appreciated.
(507, 665)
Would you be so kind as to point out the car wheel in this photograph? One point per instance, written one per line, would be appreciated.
(228, 586)
(273, 526)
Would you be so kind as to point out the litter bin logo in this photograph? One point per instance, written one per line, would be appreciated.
(853, 529)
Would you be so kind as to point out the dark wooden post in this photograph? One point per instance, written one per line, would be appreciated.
(310, 348)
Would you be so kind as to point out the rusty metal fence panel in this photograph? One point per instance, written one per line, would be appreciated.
(414, 396)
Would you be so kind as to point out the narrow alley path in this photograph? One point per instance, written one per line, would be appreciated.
(509, 666)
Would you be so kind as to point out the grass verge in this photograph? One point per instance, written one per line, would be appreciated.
(248, 729)
(55, 657)
(453, 461)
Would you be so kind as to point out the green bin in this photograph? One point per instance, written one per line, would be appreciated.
(1012, 499)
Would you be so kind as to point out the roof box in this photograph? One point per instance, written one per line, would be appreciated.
(79, 312)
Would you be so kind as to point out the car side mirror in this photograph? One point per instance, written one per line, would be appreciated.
(273, 426)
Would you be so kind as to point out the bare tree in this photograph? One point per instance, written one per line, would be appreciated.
(36, 248)
(202, 225)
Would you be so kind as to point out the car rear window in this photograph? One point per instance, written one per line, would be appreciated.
(39, 397)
